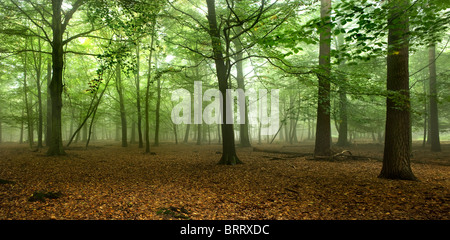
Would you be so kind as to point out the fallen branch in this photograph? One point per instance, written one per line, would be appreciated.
(294, 154)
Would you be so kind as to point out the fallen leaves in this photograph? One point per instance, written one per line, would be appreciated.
(109, 182)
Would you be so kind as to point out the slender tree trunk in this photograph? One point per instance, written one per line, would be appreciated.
(56, 85)
(49, 106)
(123, 114)
(229, 156)
(343, 121)
(38, 69)
(199, 134)
(147, 92)
(21, 128)
(397, 148)
(133, 132)
(425, 115)
(138, 97)
(175, 133)
(434, 120)
(243, 128)
(27, 103)
(1, 134)
(186, 135)
(323, 129)
(157, 111)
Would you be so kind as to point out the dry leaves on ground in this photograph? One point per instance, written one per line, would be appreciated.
(184, 182)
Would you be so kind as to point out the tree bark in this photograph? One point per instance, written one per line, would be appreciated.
(157, 110)
(138, 97)
(28, 107)
(243, 128)
(123, 114)
(396, 157)
(343, 116)
(38, 68)
(49, 106)
(323, 129)
(147, 92)
(186, 134)
(56, 85)
(434, 120)
(229, 156)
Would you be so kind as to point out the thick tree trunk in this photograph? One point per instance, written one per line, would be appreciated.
(434, 120)
(397, 148)
(323, 129)
(56, 85)
(229, 156)
(123, 114)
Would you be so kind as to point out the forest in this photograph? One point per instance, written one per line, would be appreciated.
(224, 110)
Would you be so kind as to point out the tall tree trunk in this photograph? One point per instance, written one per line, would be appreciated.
(323, 129)
(147, 92)
(37, 57)
(133, 132)
(199, 134)
(27, 103)
(1, 134)
(123, 114)
(434, 120)
(138, 97)
(56, 85)
(186, 135)
(343, 121)
(21, 128)
(49, 106)
(229, 156)
(425, 115)
(243, 128)
(175, 132)
(396, 157)
(157, 110)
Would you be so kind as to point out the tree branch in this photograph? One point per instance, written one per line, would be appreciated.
(69, 14)
(47, 38)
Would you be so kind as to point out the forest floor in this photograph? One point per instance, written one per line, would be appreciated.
(184, 182)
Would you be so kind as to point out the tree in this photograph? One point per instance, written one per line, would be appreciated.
(434, 120)
(123, 114)
(323, 127)
(397, 148)
(243, 128)
(229, 156)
